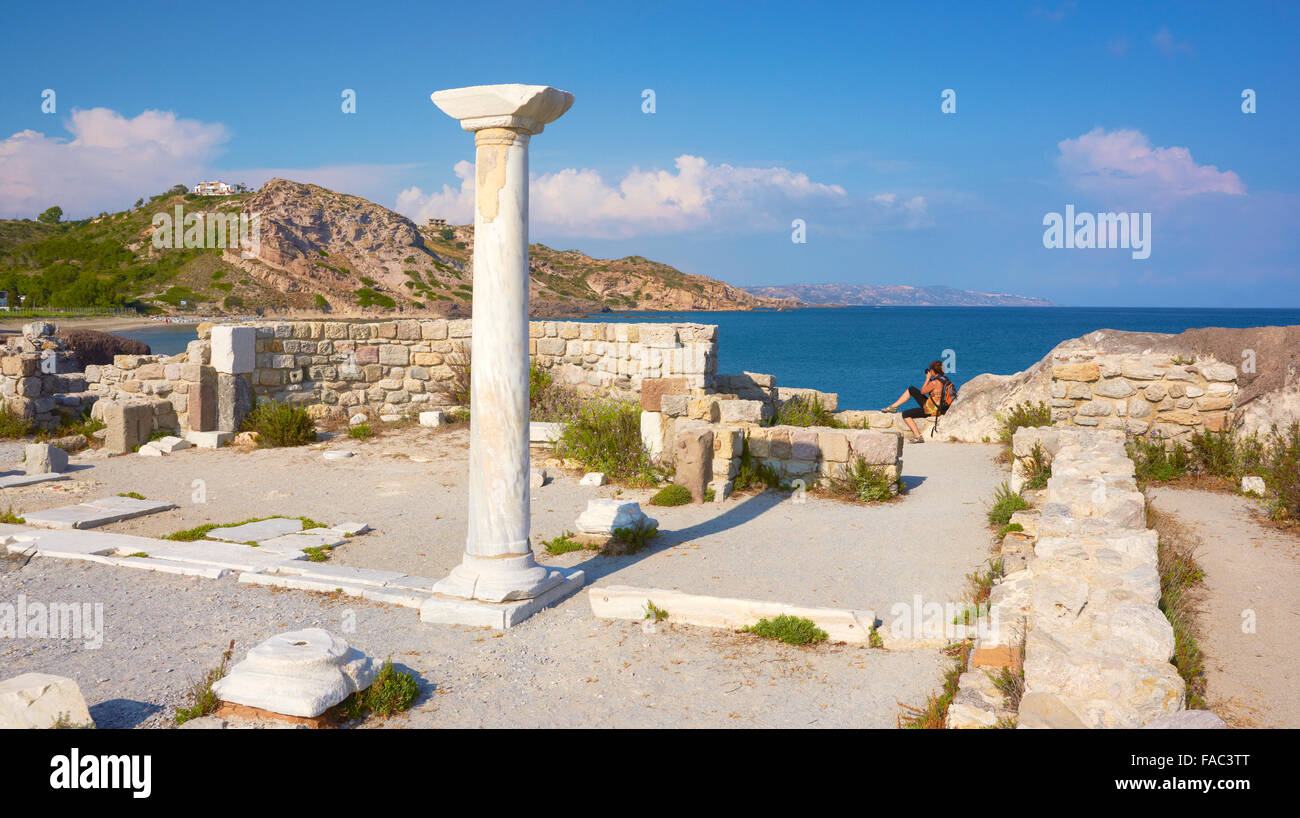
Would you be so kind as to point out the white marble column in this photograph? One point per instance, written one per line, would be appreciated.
(498, 565)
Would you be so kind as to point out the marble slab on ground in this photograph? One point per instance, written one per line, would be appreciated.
(16, 480)
(258, 531)
(95, 513)
(99, 546)
(292, 543)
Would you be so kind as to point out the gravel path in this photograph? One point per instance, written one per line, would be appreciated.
(1249, 565)
(574, 670)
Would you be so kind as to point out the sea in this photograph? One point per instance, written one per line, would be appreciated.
(870, 355)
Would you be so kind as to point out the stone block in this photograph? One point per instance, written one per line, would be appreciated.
(1076, 372)
(201, 406)
(433, 418)
(42, 458)
(604, 516)
(129, 426)
(234, 349)
(741, 411)
(693, 458)
(39, 701)
(654, 389)
(234, 401)
(675, 405)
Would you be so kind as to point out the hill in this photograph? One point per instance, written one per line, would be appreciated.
(852, 295)
(318, 251)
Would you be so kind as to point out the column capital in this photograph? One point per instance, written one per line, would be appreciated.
(524, 108)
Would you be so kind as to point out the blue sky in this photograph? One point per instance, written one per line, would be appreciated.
(764, 113)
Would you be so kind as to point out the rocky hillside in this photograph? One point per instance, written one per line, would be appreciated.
(320, 252)
(361, 257)
(854, 295)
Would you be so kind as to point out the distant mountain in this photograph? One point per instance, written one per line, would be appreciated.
(899, 295)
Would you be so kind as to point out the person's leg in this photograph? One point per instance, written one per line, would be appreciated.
(911, 392)
(911, 424)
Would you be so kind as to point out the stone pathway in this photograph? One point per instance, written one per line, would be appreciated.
(95, 513)
(1249, 567)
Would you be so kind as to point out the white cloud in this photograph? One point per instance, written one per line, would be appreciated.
(108, 163)
(696, 195)
(1166, 44)
(1123, 163)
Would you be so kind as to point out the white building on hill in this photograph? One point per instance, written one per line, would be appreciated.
(213, 189)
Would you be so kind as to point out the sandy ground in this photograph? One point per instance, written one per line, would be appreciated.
(1249, 566)
(574, 669)
(102, 324)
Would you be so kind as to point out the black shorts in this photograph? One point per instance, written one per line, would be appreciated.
(919, 411)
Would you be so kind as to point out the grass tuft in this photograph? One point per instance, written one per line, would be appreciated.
(793, 630)
(1005, 503)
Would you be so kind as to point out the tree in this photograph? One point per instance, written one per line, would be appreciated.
(51, 216)
(176, 190)
(139, 202)
(448, 234)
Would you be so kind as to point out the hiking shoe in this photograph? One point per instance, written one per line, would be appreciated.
(889, 410)
(916, 439)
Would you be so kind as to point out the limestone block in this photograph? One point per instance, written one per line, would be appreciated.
(1076, 372)
(300, 673)
(171, 443)
(1251, 484)
(876, 448)
(1075, 390)
(536, 477)
(693, 458)
(1218, 372)
(593, 478)
(652, 433)
(1113, 388)
(742, 411)
(804, 444)
(1187, 720)
(540, 432)
(199, 352)
(603, 516)
(433, 418)
(42, 458)
(1095, 409)
(653, 390)
(129, 425)
(234, 401)
(675, 405)
(40, 701)
(234, 349)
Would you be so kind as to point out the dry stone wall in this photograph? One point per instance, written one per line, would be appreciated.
(1149, 395)
(1097, 647)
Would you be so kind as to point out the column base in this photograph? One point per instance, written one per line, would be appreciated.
(501, 579)
(500, 615)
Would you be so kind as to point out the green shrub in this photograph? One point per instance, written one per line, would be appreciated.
(562, 544)
(1005, 503)
(279, 424)
(865, 482)
(548, 400)
(321, 303)
(1155, 462)
(793, 630)
(1037, 468)
(361, 431)
(753, 473)
(13, 424)
(391, 692)
(673, 495)
(654, 612)
(805, 410)
(1023, 415)
(606, 436)
(631, 540)
(1282, 474)
(1008, 528)
(1215, 453)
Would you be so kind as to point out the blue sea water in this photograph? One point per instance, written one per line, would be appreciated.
(869, 355)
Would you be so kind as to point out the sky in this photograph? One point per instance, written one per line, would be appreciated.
(764, 117)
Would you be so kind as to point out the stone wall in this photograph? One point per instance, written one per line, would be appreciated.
(394, 368)
(1097, 648)
(1150, 395)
